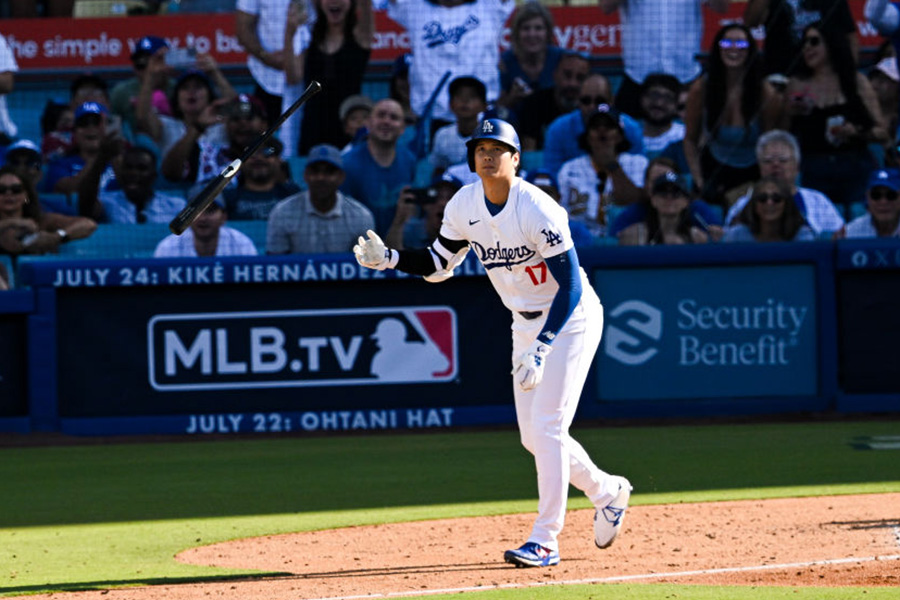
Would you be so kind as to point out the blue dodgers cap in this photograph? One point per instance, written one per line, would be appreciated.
(889, 178)
(325, 153)
(23, 144)
(446, 178)
(670, 180)
(541, 178)
(90, 108)
(149, 45)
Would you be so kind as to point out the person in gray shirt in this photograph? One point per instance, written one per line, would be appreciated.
(319, 219)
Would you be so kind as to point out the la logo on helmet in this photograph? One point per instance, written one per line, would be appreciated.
(487, 127)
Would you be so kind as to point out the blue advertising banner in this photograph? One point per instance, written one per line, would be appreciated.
(685, 333)
(350, 353)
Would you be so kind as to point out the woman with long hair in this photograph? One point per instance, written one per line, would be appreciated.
(529, 63)
(667, 218)
(727, 109)
(771, 215)
(24, 227)
(833, 111)
(337, 56)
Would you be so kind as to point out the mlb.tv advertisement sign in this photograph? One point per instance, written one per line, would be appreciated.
(315, 357)
(683, 333)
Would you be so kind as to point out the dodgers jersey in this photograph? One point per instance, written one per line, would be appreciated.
(513, 244)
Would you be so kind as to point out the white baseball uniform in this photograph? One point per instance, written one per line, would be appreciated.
(512, 246)
(463, 39)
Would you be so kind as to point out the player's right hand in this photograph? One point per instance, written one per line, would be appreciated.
(372, 253)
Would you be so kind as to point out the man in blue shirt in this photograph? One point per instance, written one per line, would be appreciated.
(377, 169)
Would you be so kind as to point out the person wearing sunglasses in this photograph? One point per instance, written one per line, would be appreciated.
(25, 156)
(27, 229)
(727, 109)
(882, 218)
(779, 157)
(833, 111)
(668, 219)
(770, 216)
(780, 19)
(561, 138)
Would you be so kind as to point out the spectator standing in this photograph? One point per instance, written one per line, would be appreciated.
(668, 217)
(727, 109)
(468, 100)
(607, 174)
(24, 227)
(123, 98)
(259, 27)
(784, 21)
(779, 157)
(561, 137)
(658, 36)
(337, 57)
(771, 215)
(541, 107)
(885, 80)
(883, 205)
(833, 111)
(208, 235)
(137, 200)
(532, 58)
(659, 107)
(260, 185)
(461, 37)
(320, 219)
(8, 69)
(378, 169)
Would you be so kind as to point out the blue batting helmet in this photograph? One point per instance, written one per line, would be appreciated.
(492, 129)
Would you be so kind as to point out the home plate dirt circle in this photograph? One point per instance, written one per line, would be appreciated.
(822, 541)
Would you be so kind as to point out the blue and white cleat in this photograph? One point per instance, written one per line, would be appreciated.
(531, 554)
(608, 519)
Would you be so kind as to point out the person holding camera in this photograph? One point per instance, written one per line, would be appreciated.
(321, 218)
(420, 211)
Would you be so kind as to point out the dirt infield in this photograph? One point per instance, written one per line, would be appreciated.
(830, 541)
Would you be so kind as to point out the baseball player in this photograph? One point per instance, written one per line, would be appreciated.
(522, 238)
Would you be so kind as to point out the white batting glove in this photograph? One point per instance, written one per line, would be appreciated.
(528, 371)
(372, 252)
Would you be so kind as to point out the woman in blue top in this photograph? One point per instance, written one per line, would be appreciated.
(530, 63)
(727, 108)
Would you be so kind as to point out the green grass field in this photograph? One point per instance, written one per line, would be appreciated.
(97, 516)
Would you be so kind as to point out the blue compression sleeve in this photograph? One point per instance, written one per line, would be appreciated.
(564, 268)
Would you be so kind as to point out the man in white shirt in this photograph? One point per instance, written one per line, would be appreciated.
(207, 236)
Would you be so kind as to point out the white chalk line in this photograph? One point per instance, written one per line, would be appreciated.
(621, 578)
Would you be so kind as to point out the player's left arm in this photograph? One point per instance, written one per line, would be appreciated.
(565, 270)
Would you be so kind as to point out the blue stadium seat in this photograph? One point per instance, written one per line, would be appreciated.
(297, 165)
(255, 230)
(117, 240)
(6, 261)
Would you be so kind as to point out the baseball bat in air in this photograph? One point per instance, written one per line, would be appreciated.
(205, 197)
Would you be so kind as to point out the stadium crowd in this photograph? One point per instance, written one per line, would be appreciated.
(735, 142)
